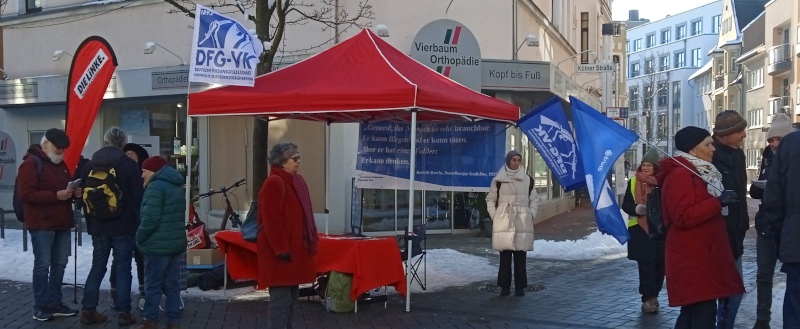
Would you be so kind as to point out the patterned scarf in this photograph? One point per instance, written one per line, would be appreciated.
(310, 234)
(644, 185)
(709, 173)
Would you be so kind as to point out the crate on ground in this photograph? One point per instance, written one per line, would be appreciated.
(204, 257)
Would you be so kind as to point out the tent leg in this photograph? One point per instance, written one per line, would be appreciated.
(410, 227)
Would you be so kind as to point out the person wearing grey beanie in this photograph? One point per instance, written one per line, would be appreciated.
(767, 244)
(512, 204)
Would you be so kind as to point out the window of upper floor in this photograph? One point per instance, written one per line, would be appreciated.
(633, 98)
(696, 58)
(732, 59)
(755, 78)
(649, 66)
(665, 36)
(663, 63)
(720, 67)
(637, 44)
(662, 95)
(680, 32)
(635, 70)
(697, 27)
(754, 118)
(650, 41)
(680, 59)
(33, 6)
(715, 23)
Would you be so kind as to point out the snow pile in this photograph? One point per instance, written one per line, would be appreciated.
(594, 246)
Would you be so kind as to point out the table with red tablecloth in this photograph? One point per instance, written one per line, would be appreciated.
(374, 262)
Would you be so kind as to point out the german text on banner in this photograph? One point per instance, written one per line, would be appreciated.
(223, 51)
(92, 67)
(548, 129)
(600, 142)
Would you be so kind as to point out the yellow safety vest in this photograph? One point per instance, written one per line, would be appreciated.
(632, 220)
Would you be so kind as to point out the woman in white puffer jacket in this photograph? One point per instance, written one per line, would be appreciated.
(512, 204)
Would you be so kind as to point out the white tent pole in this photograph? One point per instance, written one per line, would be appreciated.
(410, 227)
(188, 192)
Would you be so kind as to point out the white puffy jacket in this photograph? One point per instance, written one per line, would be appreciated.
(512, 211)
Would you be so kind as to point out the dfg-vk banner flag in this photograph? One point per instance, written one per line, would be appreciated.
(600, 142)
(548, 129)
(223, 51)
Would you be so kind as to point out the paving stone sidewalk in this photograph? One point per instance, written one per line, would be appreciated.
(598, 293)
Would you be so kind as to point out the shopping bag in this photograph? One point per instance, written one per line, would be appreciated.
(251, 226)
(196, 235)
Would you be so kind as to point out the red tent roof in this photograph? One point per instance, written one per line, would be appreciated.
(362, 79)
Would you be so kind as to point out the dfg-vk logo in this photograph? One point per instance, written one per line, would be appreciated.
(222, 41)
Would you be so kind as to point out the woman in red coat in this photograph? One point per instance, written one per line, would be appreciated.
(699, 263)
(287, 241)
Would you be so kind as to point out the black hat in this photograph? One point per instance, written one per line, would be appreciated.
(687, 138)
(141, 153)
(58, 137)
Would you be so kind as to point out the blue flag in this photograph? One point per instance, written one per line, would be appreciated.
(548, 129)
(600, 142)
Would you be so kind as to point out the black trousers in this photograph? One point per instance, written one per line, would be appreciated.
(702, 315)
(651, 278)
(139, 260)
(520, 273)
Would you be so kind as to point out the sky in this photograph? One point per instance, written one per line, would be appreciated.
(653, 10)
(445, 267)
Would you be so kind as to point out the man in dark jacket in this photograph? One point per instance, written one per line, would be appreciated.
(729, 133)
(113, 234)
(47, 204)
(766, 243)
(781, 209)
(162, 239)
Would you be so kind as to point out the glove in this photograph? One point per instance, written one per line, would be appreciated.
(728, 197)
(641, 209)
(287, 257)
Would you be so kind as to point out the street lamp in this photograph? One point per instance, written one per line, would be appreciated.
(5, 76)
(382, 30)
(591, 54)
(530, 40)
(59, 53)
(150, 47)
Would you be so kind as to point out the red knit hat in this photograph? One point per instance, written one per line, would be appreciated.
(154, 163)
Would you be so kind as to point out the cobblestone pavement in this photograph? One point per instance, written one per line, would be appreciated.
(598, 293)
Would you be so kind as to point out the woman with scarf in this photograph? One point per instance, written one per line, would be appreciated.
(512, 205)
(648, 254)
(287, 244)
(699, 262)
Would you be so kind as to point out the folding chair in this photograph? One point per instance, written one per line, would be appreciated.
(418, 248)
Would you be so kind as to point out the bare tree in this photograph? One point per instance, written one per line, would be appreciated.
(272, 18)
(651, 92)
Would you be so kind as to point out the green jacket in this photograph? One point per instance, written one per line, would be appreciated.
(162, 231)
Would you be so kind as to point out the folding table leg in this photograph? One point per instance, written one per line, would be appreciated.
(225, 275)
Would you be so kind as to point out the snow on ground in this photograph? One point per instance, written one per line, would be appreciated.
(445, 267)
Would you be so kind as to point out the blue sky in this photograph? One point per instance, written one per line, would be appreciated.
(653, 10)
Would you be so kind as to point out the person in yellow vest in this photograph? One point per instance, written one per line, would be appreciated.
(647, 253)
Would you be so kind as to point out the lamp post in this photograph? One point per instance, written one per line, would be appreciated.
(5, 76)
(531, 40)
(150, 47)
(60, 53)
(591, 53)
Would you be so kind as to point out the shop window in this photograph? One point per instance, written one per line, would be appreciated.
(378, 210)
(438, 215)
(34, 137)
(469, 209)
(402, 209)
(541, 177)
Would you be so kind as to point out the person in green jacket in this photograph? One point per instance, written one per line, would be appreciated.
(161, 238)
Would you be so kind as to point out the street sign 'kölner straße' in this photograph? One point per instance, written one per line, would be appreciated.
(595, 67)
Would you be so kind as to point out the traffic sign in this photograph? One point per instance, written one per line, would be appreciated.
(589, 68)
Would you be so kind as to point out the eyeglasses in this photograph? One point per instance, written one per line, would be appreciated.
(295, 159)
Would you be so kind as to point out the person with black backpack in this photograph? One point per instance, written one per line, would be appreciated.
(512, 205)
(46, 206)
(112, 194)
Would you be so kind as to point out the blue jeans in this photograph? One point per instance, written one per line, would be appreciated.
(728, 307)
(161, 276)
(51, 250)
(122, 247)
(791, 299)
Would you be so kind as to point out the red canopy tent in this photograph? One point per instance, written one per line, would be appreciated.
(363, 79)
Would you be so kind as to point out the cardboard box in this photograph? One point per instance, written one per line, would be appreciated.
(204, 257)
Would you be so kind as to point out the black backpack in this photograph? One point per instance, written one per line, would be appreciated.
(102, 197)
(16, 201)
(658, 231)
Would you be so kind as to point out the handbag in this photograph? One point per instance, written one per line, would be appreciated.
(655, 224)
(251, 225)
(196, 235)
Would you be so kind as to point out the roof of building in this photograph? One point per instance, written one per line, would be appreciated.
(747, 10)
(701, 70)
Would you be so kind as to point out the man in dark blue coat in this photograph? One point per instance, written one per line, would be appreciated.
(781, 209)
(115, 234)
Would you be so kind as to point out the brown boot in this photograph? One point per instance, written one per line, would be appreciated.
(147, 324)
(92, 317)
(125, 318)
(173, 325)
(650, 306)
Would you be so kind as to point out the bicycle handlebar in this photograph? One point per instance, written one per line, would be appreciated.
(221, 189)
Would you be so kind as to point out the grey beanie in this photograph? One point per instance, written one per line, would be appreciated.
(781, 126)
(510, 155)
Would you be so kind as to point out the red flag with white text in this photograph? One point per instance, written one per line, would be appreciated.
(92, 67)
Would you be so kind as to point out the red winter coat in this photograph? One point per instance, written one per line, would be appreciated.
(38, 193)
(699, 261)
(281, 214)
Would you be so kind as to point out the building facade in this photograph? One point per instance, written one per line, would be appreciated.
(147, 96)
(662, 55)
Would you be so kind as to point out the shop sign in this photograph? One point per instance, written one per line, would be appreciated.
(515, 75)
(449, 48)
(172, 79)
(8, 162)
(19, 90)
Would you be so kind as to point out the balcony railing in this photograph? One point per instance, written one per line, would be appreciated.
(780, 59)
(779, 105)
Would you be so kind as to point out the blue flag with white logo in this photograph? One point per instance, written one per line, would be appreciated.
(223, 51)
(600, 142)
(548, 129)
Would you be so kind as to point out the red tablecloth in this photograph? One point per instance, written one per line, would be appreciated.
(374, 262)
